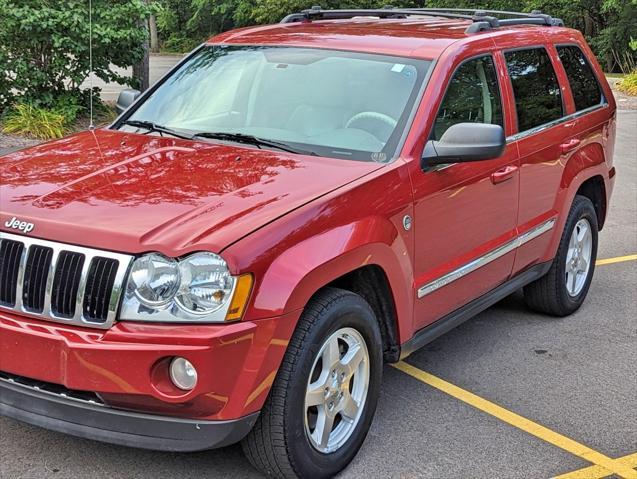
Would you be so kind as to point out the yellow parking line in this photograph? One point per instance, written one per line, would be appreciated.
(618, 259)
(598, 472)
(537, 430)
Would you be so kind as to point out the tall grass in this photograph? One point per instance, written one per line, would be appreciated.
(28, 120)
(628, 84)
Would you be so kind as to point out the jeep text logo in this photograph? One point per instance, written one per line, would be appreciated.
(23, 226)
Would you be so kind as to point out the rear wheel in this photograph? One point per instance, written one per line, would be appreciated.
(563, 289)
(324, 396)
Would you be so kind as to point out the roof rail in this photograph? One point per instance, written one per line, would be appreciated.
(481, 19)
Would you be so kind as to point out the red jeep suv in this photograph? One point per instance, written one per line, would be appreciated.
(289, 208)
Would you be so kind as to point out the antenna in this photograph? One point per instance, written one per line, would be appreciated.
(90, 59)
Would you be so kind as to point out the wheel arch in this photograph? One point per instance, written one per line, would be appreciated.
(371, 283)
(586, 174)
(595, 190)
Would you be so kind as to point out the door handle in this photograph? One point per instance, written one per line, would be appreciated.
(503, 174)
(570, 145)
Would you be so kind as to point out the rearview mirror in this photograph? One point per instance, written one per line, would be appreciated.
(126, 98)
(465, 142)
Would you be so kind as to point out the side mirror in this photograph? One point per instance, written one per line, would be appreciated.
(465, 142)
(126, 98)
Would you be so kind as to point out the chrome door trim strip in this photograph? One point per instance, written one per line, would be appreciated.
(485, 259)
(564, 119)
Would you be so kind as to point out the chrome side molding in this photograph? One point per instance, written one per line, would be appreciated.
(485, 259)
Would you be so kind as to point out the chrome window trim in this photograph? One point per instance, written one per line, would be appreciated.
(89, 253)
(564, 119)
(485, 259)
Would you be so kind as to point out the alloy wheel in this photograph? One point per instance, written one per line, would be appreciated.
(578, 257)
(336, 390)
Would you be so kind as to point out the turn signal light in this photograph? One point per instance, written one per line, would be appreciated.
(240, 298)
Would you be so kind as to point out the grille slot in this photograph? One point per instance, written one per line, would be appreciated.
(66, 283)
(99, 285)
(36, 272)
(51, 388)
(10, 256)
(60, 282)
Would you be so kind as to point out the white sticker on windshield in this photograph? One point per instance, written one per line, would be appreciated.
(398, 67)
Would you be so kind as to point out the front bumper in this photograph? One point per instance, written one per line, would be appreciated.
(102, 423)
(126, 366)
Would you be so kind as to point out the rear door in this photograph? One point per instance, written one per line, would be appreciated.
(594, 122)
(543, 135)
(464, 212)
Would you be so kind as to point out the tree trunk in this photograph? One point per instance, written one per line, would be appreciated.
(589, 26)
(610, 63)
(154, 40)
(141, 70)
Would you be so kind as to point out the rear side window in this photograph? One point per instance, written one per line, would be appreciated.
(584, 85)
(473, 96)
(538, 99)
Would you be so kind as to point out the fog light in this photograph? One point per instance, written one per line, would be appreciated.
(183, 374)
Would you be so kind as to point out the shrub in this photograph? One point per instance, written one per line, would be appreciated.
(28, 120)
(44, 47)
(628, 84)
(180, 44)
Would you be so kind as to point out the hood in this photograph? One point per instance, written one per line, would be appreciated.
(135, 193)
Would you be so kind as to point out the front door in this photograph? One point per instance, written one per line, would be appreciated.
(465, 213)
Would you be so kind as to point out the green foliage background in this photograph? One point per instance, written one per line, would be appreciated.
(44, 48)
(608, 24)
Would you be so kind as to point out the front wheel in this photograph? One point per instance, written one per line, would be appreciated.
(563, 289)
(324, 397)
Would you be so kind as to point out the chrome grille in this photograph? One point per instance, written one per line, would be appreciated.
(60, 282)
(66, 282)
(10, 254)
(35, 272)
(101, 276)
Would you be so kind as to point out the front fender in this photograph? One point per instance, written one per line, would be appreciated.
(295, 256)
(301, 270)
(313, 263)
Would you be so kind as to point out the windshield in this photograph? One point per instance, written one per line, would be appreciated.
(328, 103)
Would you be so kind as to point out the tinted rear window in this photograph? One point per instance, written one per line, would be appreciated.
(537, 92)
(584, 85)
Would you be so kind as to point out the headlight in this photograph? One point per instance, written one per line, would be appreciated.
(197, 288)
(206, 283)
(154, 279)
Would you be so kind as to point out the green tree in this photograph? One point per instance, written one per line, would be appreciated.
(44, 46)
(607, 24)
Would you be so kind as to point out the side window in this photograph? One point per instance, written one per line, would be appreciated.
(473, 96)
(538, 99)
(584, 85)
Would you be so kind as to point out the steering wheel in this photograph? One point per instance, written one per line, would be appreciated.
(376, 123)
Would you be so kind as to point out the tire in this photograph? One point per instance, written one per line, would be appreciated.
(556, 293)
(281, 444)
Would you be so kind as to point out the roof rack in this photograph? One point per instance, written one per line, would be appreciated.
(481, 19)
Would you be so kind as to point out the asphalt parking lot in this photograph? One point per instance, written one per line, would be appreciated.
(561, 394)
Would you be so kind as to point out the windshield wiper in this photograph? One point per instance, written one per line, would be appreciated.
(150, 126)
(252, 140)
